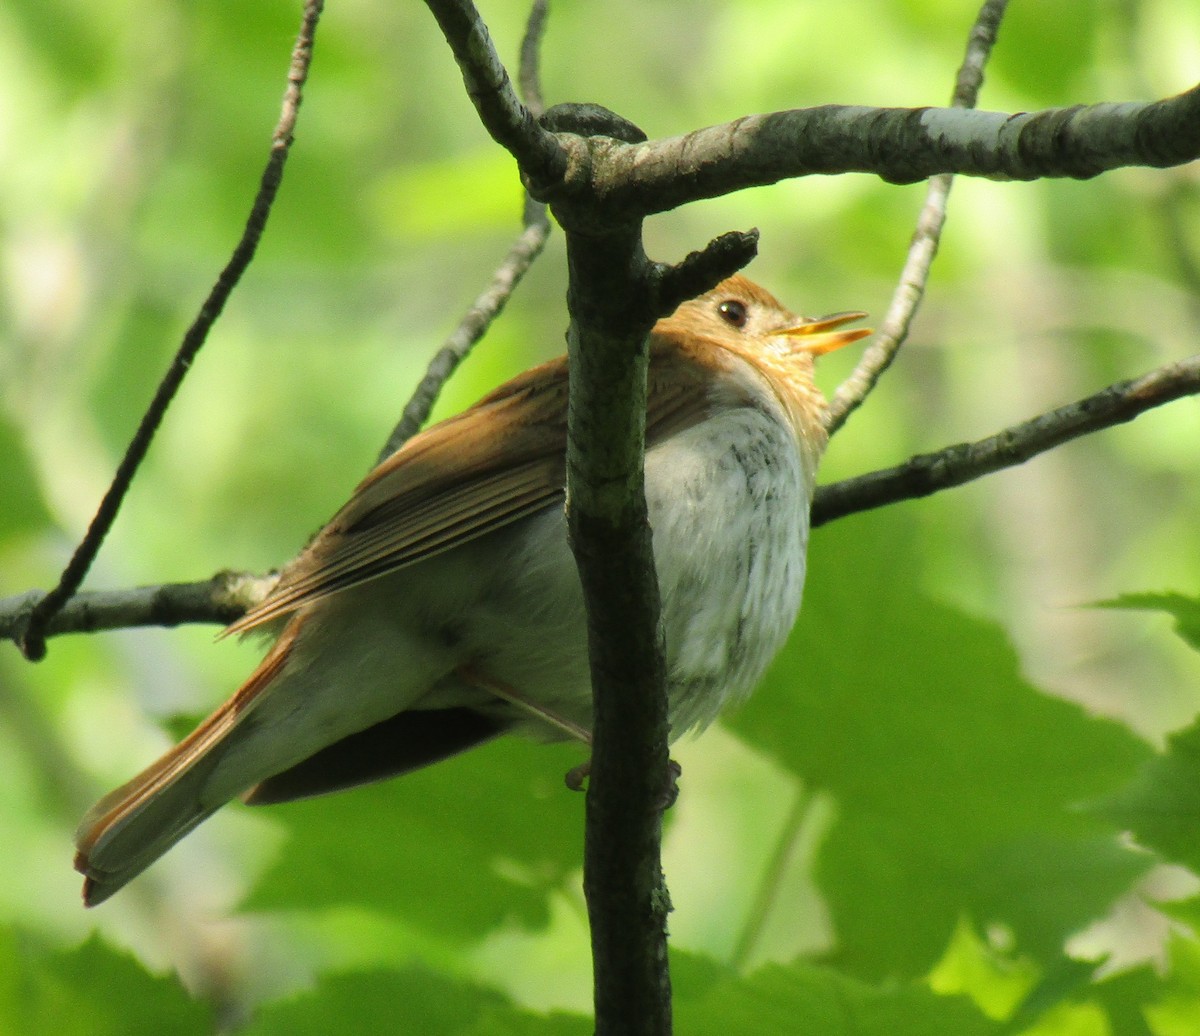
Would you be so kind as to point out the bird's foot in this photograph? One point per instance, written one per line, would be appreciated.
(577, 776)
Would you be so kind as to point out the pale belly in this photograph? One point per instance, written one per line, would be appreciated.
(729, 512)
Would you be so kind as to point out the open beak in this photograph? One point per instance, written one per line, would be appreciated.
(818, 337)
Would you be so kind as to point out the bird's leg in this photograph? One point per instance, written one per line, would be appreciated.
(469, 674)
(577, 774)
(575, 777)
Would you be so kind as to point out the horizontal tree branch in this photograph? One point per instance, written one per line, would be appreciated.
(954, 465)
(900, 145)
(221, 599)
(227, 595)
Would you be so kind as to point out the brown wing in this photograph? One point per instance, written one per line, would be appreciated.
(491, 465)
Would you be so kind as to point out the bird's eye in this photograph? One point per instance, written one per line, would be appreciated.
(733, 312)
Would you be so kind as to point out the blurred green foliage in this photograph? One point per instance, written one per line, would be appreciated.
(953, 807)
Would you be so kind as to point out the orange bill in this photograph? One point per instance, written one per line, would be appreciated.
(820, 336)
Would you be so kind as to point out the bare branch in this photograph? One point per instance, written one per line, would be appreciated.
(980, 41)
(773, 880)
(610, 535)
(612, 300)
(614, 296)
(1175, 223)
(699, 271)
(31, 637)
(221, 599)
(932, 472)
(911, 287)
(529, 74)
(900, 145)
(511, 124)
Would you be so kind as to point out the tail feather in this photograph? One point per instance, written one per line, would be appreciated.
(134, 825)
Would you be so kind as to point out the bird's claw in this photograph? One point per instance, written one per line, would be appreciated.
(577, 776)
(670, 790)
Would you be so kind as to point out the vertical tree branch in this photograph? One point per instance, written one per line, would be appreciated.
(612, 297)
(610, 535)
(615, 295)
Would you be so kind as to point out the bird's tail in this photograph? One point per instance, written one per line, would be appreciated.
(134, 825)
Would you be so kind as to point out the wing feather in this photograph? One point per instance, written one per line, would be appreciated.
(493, 464)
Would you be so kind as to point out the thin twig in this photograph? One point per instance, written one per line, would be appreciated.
(31, 639)
(529, 74)
(955, 465)
(511, 124)
(1179, 246)
(514, 266)
(911, 287)
(470, 329)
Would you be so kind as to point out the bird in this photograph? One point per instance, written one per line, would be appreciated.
(440, 607)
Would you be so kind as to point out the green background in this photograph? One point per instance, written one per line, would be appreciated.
(923, 822)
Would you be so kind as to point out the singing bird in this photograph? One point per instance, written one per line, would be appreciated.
(441, 606)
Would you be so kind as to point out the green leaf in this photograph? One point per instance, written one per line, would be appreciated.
(1125, 997)
(406, 1002)
(1177, 1003)
(806, 1000)
(1161, 805)
(90, 991)
(1184, 610)
(456, 848)
(957, 784)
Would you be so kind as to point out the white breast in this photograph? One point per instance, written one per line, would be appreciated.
(729, 507)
